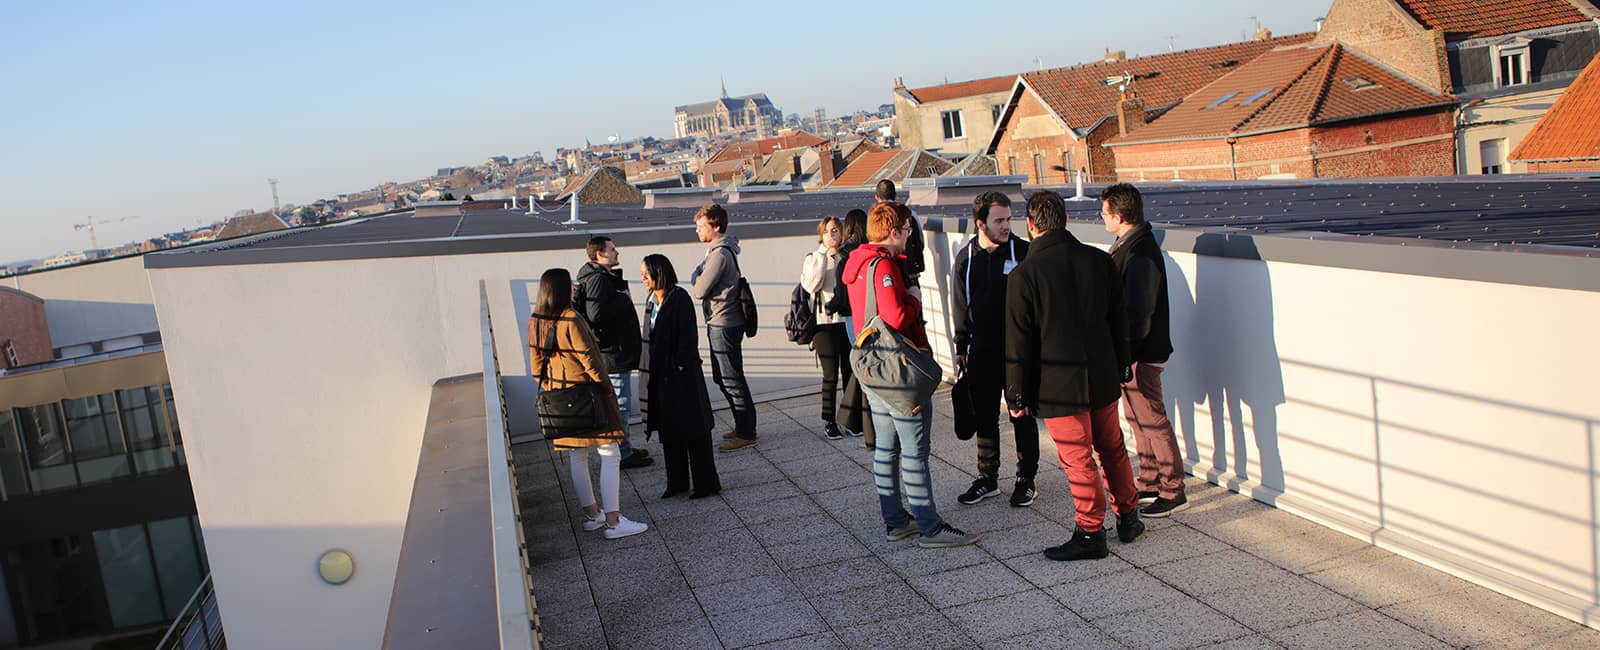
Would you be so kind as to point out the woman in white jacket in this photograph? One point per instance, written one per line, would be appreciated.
(820, 278)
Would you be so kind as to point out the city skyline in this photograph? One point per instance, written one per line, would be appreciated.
(179, 117)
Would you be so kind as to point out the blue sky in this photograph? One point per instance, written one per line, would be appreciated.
(178, 112)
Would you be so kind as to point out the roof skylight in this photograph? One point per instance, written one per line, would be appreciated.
(1219, 101)
(1256, 97)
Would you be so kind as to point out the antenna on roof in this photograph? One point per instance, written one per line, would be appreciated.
(1038, 63)
(1172, 43)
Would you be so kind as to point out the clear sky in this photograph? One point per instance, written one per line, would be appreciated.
(177, 113)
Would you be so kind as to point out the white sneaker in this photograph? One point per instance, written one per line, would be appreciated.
(624, 527)
(594, 522)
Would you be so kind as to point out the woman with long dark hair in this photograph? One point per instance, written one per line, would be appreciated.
(819, 276)
(677, 405)
(562, 352)
(857, 413)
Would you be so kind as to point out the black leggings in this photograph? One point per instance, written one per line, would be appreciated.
(833, 351)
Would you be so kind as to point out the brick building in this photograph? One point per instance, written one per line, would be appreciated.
(1305, 111)
(740, 161)
(1506, 61)
(1567, 138)
(24, 333)
(950, 118)
(1060, 117)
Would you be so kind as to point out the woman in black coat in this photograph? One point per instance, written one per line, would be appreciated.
(676, 403)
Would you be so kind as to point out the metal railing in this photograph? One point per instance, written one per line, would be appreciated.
(199, 625)
(518, 618)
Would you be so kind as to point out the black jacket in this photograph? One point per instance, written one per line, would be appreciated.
(840, 304)
(978, 285)
(1066, 330)
(675, 398)
(601, 296)
(1144, 295)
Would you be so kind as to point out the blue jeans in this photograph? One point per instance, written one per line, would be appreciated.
(900, 457)
(727, 370)
(624, 388)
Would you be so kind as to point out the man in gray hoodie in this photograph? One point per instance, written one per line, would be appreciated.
(715, 283)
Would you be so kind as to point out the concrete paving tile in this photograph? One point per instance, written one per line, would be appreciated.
(968, 584)
(634, 617)
(835, 463)
(861, 605)
(839, 576)
(1280, 603)
(1011, 615)
(696, 633)
(1024, 540)
(577, 628)
(1472, 616)
(1362, 630)
(678, 506)
(1043, 572)
(1308, 552)
(650, 582)
(760, 513)
(794, 449)
(990, 515)
(1076, 636)
(848, 502)
(818, 550)
(911, 561)
(730, 463)
(561, 586)
(684, 527)
(926, 632)
(765, 624)
(736, 480)
(1362, 555)
(1182, 624)
(706, 542)
(1569, 636)
(796, 529)
(1388, 581)
(1115, 593)
(726, 566)
(1256, 642)
(748, 593)
(1249, 528)
(834, 479)
(821, 641)
(780, 489)
(1229, 570)
(1166, 545)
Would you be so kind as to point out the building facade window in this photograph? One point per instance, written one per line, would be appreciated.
(1492, 156)
(1067, 164)
(952, 125)
(995, 111)
(1038, 168)
(1512, 63)
(87, 440)
(1011, 165)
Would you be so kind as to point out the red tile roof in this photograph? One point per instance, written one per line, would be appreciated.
(963, 89)
(1080, 95)
(1467, 19)
(1569, 130)
(765, 146)
(863, 169)
(1287, 88)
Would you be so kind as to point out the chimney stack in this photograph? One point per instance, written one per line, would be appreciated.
(1116, 56)
(1130, 113)
(831, 163)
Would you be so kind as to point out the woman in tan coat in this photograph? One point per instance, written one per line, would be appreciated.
(573, 359)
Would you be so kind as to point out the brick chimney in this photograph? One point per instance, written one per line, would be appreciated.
(1130, 113)
(832, 164)
(1116, 56)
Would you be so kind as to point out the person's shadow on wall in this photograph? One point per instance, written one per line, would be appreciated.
(1233, 335)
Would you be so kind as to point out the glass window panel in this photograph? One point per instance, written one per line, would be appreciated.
(92, 422)
(172, 413)
(140, 409)
(53, 593)
(13, 468)
(100, 470)
(40, 428)
(129, 576)
(153, 460)
(176, 562)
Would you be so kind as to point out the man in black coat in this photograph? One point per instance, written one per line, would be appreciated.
(1144, 296)
(1066, 358)
(978, 283)
(601, 297)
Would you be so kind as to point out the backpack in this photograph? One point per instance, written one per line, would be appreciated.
(801, 322)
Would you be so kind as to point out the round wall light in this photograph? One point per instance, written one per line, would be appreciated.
(336, 567)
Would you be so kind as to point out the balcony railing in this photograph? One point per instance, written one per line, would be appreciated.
(199, 625)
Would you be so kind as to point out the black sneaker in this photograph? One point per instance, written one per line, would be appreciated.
(850, 432)
(1148, 495)
(1082, 546)
(831, 431)
(1162, 506)
(640, 458)
(982, 488)
(1024, 494)
(1129, 527)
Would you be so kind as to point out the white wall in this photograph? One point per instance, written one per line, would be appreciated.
(93, 302)
(1452, 421)
(303, 390)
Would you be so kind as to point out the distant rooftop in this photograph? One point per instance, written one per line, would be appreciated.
(1498, 211)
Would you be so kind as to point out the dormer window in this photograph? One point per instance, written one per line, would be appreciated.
(1360, 83)
(1511, 63)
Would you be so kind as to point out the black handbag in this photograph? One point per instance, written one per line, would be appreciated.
(577, 411)
(889, 366)
(962, 410)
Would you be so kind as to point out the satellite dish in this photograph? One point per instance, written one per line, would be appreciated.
(611, 138)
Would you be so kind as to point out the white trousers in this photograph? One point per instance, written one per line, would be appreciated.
(610, 476)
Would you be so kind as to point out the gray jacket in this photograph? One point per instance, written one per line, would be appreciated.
(715, 283)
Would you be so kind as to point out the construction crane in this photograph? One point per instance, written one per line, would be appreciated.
(274, 183)
(89, 224)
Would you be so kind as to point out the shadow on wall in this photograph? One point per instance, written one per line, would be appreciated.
(1240, 376)
(76, 322)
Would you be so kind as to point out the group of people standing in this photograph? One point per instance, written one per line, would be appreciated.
(1062, 330)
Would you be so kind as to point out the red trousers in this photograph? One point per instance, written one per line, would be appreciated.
(1078, 438)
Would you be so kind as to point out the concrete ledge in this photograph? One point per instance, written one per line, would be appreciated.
(958, 190)
(687, 197)
(439, 209)
(760, 193)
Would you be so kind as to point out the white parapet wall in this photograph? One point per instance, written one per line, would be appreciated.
(1452, 420)
(303, 389)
